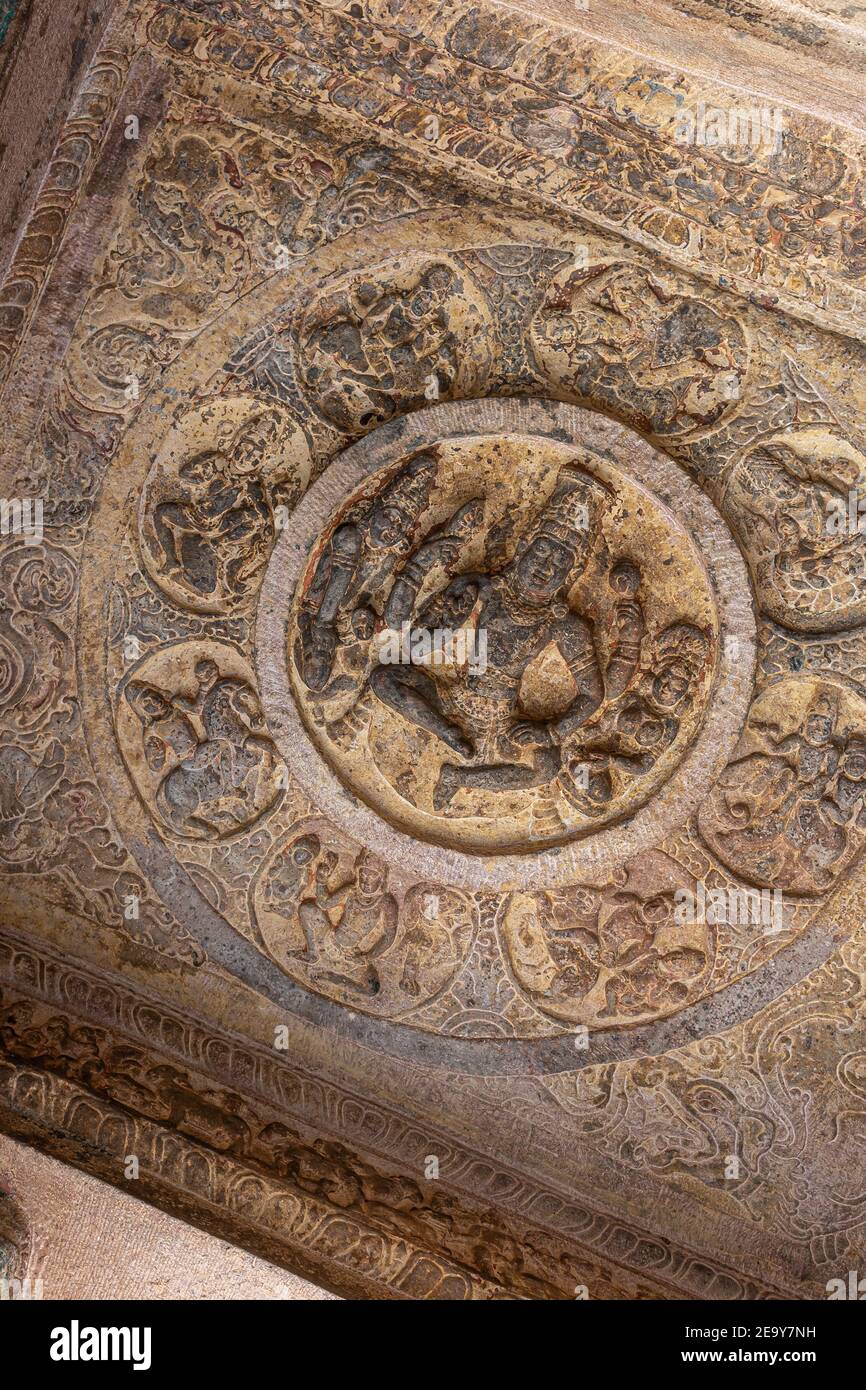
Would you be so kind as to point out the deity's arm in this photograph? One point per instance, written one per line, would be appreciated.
(574, 639)
(335, 570)
(629, 630)
(440, 547)
(328, 898)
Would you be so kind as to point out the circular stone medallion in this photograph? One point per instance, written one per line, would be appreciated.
(503, 641)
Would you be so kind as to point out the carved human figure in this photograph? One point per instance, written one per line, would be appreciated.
(789, 809)
(213, 747)
(612, 950)
(660, 358)
(468, 681)
(359, 558)
(392, 341)
(289, 886)
(213, 535)
(521, 609)
(792, 503)
(168, 733)
(362, 928)
(346, 920)
(632, 730)
(435, 923)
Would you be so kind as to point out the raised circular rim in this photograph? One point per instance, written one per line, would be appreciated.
(669, 487)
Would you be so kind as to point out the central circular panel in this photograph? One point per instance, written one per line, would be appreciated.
(505, 644)
(502, 643)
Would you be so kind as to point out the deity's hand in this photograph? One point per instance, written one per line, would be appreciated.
(529, 734)
(400, 602)
(319, 654)
(629, 622)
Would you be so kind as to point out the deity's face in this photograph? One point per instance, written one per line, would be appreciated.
(670, 687)
(148, 703)
(819, 727)
(206, 671)
(387, 525)
(371, 875)
(854, 764)
(543, 569)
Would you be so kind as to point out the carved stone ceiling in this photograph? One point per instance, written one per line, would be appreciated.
(334, 325)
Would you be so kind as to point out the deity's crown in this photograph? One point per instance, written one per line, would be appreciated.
(683, 644)
(826, 706)
(408, 493)
(572, 512)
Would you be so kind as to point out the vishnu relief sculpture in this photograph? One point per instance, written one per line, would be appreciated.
(586, 656)
(452, 699)
(452, 589)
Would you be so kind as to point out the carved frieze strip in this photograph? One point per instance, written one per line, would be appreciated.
(485, 110)
(217, 1192)
(79, 257)
(75, 158)
(90, 998)
(220, 1154)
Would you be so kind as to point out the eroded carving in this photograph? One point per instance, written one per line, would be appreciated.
(329, 913)
(789, 501)
(656, 357)
(503, 642)
(381, 344)
(790, 810)
(192, 733)
(208, 511)
(614, 952)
